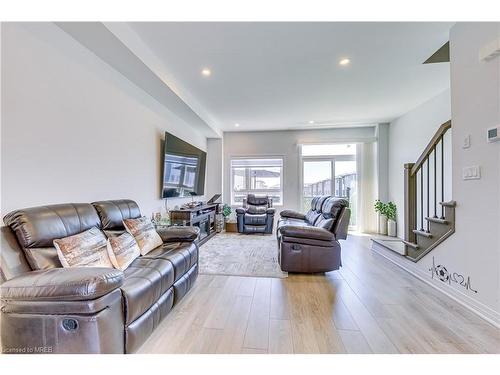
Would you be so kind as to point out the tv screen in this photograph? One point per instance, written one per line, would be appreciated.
(183, 169)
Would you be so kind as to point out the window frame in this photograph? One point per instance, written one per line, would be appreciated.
(247, 178)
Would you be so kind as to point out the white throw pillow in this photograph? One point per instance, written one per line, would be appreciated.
(122, 250)
(143, 231)
(86, 249)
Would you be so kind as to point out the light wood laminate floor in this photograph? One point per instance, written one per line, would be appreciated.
(368, 306)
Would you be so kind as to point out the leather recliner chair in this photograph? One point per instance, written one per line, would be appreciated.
(308, 242)
(48, 308)
(256, 215)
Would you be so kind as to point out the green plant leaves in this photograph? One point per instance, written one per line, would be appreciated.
(387, 209)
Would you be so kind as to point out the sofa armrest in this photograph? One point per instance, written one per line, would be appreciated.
(292, 214)
(179, 234)
(312, 233)
(62, 284)
(241, 211)
(270, 211)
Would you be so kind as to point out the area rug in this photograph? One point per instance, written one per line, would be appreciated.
(242, 255)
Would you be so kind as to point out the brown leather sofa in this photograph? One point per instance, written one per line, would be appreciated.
(47, 308)
(309, 242)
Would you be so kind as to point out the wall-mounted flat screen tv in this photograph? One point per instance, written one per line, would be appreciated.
(183, 169)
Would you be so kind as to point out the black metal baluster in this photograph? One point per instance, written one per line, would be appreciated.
(428, 193)
(416, 203)
(442, 176)
(422, 198)
(435, 184)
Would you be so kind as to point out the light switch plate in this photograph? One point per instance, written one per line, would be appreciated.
(466, 143)
(471, 173)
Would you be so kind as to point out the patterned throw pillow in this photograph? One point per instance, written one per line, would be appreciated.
(122, 250)
(143, 231)
(86, 249)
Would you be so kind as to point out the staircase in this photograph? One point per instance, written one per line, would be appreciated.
(429, 215)
(429, 219)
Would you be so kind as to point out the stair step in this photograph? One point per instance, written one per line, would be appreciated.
(436, 220)
(448, 204)
(411, 244)
(422, 233)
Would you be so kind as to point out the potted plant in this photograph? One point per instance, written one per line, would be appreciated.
(380, 208)
(390, 213)
(226, 212)
(386, 218)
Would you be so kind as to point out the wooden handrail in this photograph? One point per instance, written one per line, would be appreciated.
(432, 144)
(411, 201)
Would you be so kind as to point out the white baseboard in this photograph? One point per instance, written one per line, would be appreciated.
(483, 311)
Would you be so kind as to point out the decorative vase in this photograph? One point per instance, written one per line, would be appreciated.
(382, 224)
(391, 228)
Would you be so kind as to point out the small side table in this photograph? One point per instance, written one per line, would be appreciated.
(231, 227)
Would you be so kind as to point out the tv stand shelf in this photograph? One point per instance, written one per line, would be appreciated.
(202, 216)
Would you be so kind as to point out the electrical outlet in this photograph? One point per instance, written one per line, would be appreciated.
(471, 173)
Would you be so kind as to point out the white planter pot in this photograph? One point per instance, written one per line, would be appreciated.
(391, 228)
(382, 224)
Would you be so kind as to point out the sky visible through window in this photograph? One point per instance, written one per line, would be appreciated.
(321, 170)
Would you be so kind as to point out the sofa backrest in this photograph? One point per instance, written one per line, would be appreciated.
(37, 227)
(331, 210)
(315, 212)
(113, 212)
(311, 215)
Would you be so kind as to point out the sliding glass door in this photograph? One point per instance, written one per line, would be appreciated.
(317, 180)
(330, 170)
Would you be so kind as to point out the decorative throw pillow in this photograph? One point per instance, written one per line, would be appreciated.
(143, 231)
(86, 249)
(122, 250)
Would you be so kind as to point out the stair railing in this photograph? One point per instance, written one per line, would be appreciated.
(418, 189)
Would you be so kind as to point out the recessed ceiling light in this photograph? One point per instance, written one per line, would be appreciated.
(311, 122)
(344, 62)
(206, 72)
(237, 125)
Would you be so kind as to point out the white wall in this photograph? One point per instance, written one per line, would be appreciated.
(286, 144)
(74, 129)
(214, 167)
(408, 137)
(382, 167)
(474, 249)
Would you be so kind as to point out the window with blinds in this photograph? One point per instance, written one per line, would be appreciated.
(259, 176)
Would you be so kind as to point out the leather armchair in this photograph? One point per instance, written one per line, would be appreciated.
(256, 215)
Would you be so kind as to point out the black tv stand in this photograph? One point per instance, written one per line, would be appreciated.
(202, 216)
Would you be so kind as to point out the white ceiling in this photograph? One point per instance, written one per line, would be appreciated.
(268, 76)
